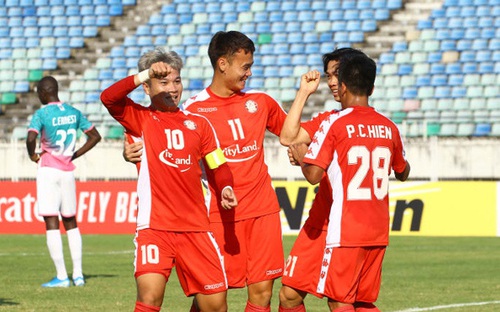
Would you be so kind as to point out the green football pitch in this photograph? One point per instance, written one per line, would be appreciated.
(419, 274)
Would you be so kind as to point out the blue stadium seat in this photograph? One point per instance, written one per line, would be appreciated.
(424, 24)
(76, 42)
(312, 48)
(229, 17)
(455, 79)
(469, 68)
(351, 14)
(50, 64)
(279, 37)
(458, 92)
(486, 67)
(453, 68)
(89, 20)
(62, 42)
(482, 129)
(60, 31)
(368, 25)
(295, 37)
(263, 27)
(339, 25)
(290, 16)
(90, 31)
(116, 9)
(63, 52)
(382, 14)
(74, 21)
(320, 15)
(479, 44)
(386, 58)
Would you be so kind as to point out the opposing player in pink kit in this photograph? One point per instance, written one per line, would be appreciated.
(58, 124)
(172, 223)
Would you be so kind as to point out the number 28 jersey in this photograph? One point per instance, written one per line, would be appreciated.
(358, 148)
(241, 122)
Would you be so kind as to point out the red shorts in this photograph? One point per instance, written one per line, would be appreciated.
(196, 255)
(352, 274)
(303, 266)
(252, 249)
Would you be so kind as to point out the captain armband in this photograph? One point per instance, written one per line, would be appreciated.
(215, 158)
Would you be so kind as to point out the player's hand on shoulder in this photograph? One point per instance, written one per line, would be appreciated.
(228, 200)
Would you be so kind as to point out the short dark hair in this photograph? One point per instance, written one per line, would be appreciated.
(339, 55)
(358, 74)
(228, 43)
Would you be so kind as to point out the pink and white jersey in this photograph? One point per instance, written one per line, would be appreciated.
(241, 122)
(58, 125)
(169, 186)
(358, 148)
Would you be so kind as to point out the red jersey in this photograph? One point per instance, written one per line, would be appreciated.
(358, 148)
(320, 209)
(241, 122)
(169, 186)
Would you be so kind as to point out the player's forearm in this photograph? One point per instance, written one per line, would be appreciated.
(93, 138)
(116, 94)
(223, 177)
(403, 176)
(312, 173)
(291, 127)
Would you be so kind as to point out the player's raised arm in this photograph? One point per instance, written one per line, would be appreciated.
(291, 131)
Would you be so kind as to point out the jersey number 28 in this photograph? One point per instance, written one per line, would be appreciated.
(378, 162)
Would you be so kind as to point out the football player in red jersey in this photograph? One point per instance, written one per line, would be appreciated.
(172, 222)
(357, 148)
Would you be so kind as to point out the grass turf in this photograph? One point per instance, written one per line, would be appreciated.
(438, 273)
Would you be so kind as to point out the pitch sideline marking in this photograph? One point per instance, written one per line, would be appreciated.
(27, 254)
(456, 305)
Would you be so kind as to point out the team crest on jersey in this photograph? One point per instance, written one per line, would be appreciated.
(251, 106)
(191, 125)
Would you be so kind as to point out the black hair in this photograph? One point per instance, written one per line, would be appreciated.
(358, 74)
(228, 43)
(339, 55)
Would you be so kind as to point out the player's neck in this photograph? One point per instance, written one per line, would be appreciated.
(351, 100)
(218, 88)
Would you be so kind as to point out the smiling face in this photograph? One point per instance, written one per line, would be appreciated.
(165, 92)
(236, 70)
(332, 79)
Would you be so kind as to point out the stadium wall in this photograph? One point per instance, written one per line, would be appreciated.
(417, 208)
(433, 159)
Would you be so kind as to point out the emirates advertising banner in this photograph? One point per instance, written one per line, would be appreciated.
(449, 208)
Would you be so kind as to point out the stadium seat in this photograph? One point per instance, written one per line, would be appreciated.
(448, 129)
(114, 132)
(482, 129)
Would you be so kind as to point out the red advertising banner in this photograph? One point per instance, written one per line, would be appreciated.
(102, 207)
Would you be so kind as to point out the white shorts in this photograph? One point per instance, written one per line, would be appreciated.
(56, 192)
